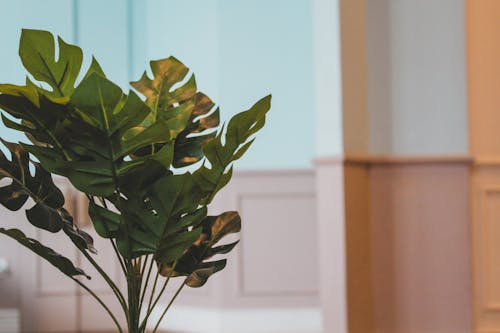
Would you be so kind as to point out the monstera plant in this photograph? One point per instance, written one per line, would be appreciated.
(148, 165)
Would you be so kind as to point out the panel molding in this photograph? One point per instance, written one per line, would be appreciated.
(374, 159)
(390, 205)
(242, 291)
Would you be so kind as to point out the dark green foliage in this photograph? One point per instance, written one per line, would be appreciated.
(193, 262)
(126, 154)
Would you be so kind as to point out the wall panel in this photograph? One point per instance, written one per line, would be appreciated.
(421, 247)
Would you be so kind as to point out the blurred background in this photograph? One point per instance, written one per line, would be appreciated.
(370, 201)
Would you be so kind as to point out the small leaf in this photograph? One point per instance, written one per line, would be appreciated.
(200, 276)
(236, 143)
(222, 249)
(44, 217)
(106, 222)
(80, 238)
(224, 224)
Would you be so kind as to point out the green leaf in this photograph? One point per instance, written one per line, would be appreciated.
(48, 198)
(192, 263)
(166, 72)
(188, 148)
(63, 264)
(175, 245)
(97, 98)
(94, 68)
(237, 141)
(164, 99)
(37, 52)
(172, 196)
(188, 220)
(80, 238)
(44, 217)
(106, 222)
(40, 117)
(13, 196)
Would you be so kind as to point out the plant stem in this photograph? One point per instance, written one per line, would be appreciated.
(168, 306)
(81, 284)
(147, 279)
(153, 291)
(164, 286)
(124, 270)
(144, 264)
(133, 287)
(108, 280)
(122, 265)
(150, 308)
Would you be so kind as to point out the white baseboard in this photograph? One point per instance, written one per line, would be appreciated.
(185, 319)
(9, 321)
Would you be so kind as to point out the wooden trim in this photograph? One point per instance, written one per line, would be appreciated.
(487, 161)
(370, 159)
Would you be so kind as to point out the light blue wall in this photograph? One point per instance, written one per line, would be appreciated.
(266, 47)
(239, 50)
(102, 30)
(52, 15)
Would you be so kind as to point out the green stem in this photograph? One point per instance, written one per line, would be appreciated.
(163, 287)
(146, 281)
(153, 291)
(100, 302)
(115, 249)
(150, 308)
(133, 286)
(169, 305)
(122, 265)
(108, 280)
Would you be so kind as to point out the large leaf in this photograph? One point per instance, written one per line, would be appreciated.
(160, 220)
(37, 52)
(62, 263)
(170, 89)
